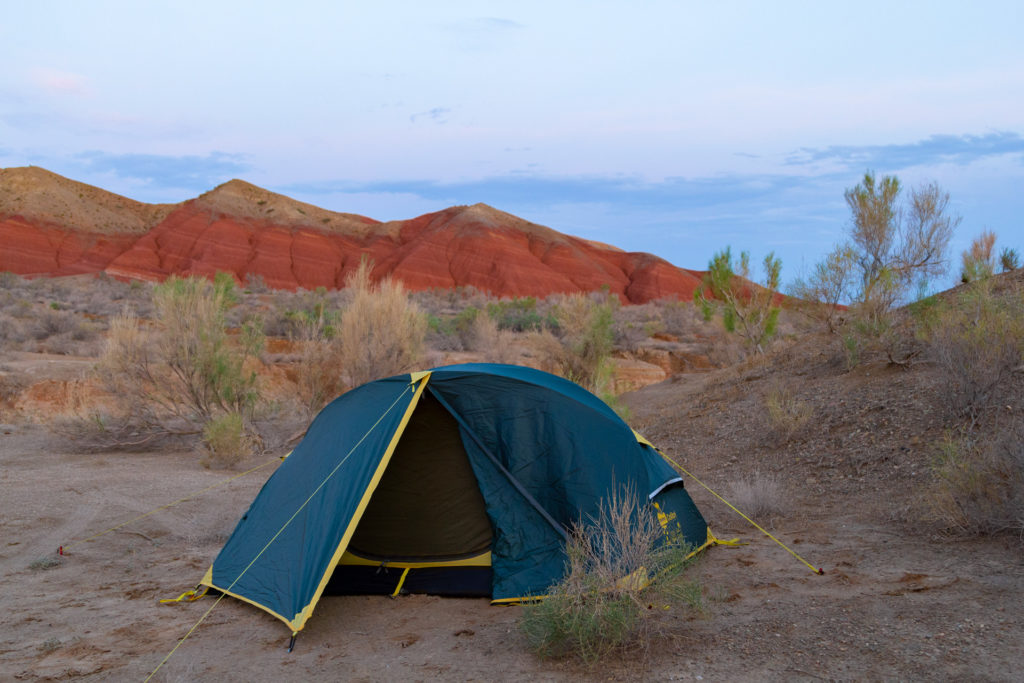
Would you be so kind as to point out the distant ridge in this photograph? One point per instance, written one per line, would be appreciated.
(51, 225)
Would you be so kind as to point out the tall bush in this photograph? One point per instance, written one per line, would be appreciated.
(381, 331)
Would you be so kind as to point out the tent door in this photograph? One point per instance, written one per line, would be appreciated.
(427, 510)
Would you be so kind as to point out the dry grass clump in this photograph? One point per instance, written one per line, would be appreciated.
(787, 416)
(381, 333)
(620, 566)
(759, 496)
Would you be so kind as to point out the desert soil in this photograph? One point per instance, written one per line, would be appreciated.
(896, 601)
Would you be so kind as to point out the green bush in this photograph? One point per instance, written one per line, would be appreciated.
(226, 439)
(747, 309)
(519, 315)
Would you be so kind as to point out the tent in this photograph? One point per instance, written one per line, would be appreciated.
(462, 480)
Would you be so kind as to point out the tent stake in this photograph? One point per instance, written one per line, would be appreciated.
(291, 643)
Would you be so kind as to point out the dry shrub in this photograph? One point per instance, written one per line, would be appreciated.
(619, 564)
(978, 262)
(759, 496)
(586, 338)
(12, 332)
(679, 318)
(183, 372)
(12, 383)
(381, 332)
(633, 325)
(787, 416)
(495, 344)
(50, 323)
(979, 483)
(314, 329)
(978, 342)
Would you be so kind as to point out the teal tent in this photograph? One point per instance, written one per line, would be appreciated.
(461, 480)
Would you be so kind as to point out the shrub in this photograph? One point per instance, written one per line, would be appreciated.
(519, 315)
(208, 372)
(12, 332)
(9, 280)
(678, 318)
(454, 333)
(787, 415)
(822, 295)
(760, 496)
(381, 333)
(619, 565)
(746, 308)
(185, 371)
(1009, 259)
(50, 322)
(587, 339)
(494, 343)
(226, 440)
(313, 327)
(977, 341)
(977, 261)
(979, 483)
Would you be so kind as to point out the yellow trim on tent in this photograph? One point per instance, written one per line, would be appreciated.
(303, 615)
(208, 581)
(481, 560)
(641, 439)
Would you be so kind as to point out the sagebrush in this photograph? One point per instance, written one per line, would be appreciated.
(622, 570)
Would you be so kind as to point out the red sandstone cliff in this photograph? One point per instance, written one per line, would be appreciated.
(50, 225)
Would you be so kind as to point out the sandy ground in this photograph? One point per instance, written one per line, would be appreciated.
(895, 603)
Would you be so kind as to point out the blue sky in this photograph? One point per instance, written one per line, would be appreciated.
(671, 127)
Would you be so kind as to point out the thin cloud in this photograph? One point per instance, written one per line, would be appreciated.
(496, 24)
(937, 149)
(438, 115)
(57, 82)
(194, 172)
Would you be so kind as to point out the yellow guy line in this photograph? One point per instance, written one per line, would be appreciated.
(60, 551)
(274, 538)
(816, 570)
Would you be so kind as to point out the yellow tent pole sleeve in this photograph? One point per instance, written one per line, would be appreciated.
(816, 570)
(401, 582)
(63, 548)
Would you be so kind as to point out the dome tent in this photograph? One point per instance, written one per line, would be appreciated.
(461, 480)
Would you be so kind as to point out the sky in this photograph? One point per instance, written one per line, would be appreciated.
(672, 127)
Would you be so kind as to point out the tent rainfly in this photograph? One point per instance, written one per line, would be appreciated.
(462, 480)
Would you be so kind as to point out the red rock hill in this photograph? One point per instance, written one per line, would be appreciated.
(50, 225)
